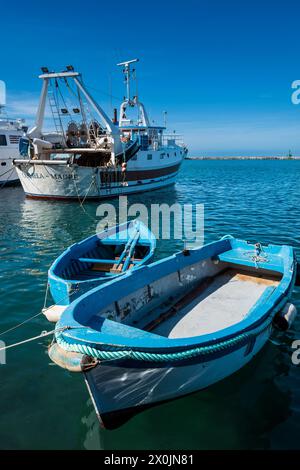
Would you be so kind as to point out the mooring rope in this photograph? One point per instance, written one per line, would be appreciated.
(4, 182)
(20, 324)
(82, 202)
(42, 312)
(7, 171)
(42, 335)
(46, 296)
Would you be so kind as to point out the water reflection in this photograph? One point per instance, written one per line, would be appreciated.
(259, 407)
(93, 436)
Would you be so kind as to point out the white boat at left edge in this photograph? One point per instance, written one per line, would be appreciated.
(11, 130)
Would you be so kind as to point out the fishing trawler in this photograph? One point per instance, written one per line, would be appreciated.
(11, 130)
(89, 155)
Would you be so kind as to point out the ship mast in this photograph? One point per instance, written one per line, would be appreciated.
(128, 72)
(134, 101)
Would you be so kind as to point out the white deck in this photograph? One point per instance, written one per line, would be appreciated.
(225, 302)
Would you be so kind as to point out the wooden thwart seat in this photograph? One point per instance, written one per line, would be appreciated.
(104, 267)
(114, 267)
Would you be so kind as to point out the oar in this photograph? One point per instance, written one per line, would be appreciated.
(127, 261)
(125, 249)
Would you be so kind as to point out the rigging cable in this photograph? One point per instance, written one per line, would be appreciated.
(42, 312)
(10, 171)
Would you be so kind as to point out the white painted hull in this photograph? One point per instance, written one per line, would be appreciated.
(73, 181)
(122, 391)
(11, 177)
(8, 173)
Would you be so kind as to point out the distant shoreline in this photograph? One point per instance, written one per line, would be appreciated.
(243, 158)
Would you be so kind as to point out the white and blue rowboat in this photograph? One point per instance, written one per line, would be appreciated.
(98, 259)
(175, 326)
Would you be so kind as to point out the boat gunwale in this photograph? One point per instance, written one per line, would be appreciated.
(149, 342)
(149, 241)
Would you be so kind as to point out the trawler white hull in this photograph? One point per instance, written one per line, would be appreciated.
(70, 181)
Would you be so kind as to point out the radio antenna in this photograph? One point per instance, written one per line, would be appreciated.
(128, 72)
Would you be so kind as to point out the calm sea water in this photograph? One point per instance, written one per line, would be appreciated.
(45, 407)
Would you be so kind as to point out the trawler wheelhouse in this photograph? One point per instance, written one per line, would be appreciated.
(151, 137)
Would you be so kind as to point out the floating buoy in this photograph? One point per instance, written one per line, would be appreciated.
(54, 312)
(284, 319)
(72, 361)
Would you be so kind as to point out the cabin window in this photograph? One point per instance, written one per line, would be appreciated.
(168, 155)
(14, 139)
(3, 163)
(162, 155)
(174, 154)
(3, 140)
(149, 156)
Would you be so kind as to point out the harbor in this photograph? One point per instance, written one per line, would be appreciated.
(150, 220)
(249, 157)
(42, 232)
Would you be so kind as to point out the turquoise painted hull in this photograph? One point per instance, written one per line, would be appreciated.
(139, 368)
(72, 273)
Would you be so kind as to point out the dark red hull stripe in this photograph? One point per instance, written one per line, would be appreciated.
(142, 189)
(148, 174)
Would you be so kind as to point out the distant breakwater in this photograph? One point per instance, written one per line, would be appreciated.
(244, 158)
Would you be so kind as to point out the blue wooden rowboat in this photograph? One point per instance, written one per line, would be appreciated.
(98, 259)
(176, 326)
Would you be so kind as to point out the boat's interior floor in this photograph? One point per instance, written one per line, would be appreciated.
(225, 301)
(88, 274)
(78, 270)
(98, 270)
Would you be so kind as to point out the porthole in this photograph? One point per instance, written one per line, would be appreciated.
(3, 163)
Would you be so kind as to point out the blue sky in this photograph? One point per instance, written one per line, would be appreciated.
(222, 69)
